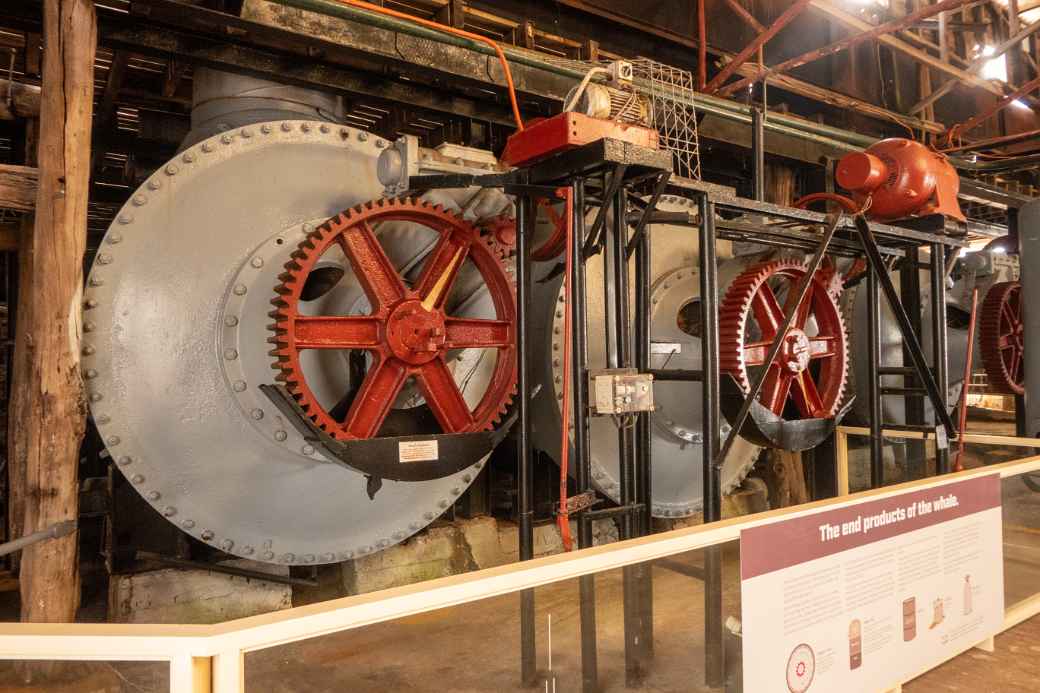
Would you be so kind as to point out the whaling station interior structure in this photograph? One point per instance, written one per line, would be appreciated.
(315, 305)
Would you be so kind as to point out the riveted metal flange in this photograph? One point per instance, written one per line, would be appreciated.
(170, 344)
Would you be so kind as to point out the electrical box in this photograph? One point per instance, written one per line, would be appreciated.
(621, 391)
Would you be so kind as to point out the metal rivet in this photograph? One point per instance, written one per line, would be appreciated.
(169, 511)
(467, 478)
(90, 303)
(456, 491)
(88, 350)
(206, 535)
(308, 449)
(227, 545)
(171, 169)
(226, 139)
(95, 397)
(257, 414)
(380, 144)
(308, 227)
(398, 536)
(442, 503)
(346, 555)
(102, 420)
(280, 436)
(325, 129)
(91, 373)
(257, 262)
(114, 237)
(153, 495)
(207, 147)
(268, 555)
(266, 129)
(137, 479)
(154, 184)
(140, 200)
(230, 354)
(286, 127)
(309, 558)
(188, 524)
(126, 218)
(383, 543)
(188, 157)
(89, 327)
(97, 281)
(239, 386)
(104, 259)
(328, 557)
(230, 320)
(344, 133)
(247, 550)
(124, 460)
(362, 136)
(428, 515)
(413, 526)
(246, 132)
(306, 127)
(240, 289)
(288, 558)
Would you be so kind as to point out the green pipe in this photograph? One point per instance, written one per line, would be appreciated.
(775, 122)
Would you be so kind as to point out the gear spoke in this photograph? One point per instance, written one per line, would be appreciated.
(441, 269)
(806, 396)
(336, 332)
(767, 310)
(476, 333)
(444, 397)
(755, 353)
(775, 390)
(804, 309)
(375, 398)
(821, 347)
(373, 268)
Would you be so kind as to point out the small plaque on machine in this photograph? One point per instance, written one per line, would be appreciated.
(621, 391)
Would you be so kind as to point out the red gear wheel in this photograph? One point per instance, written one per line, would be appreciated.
(500, 234)
(408, 332)
(1001, 338)
(811, 370)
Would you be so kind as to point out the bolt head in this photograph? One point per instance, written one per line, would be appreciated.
(257, 414)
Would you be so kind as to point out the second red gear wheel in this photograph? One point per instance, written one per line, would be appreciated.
(812, 365)
(1001, 338)
(408, 332)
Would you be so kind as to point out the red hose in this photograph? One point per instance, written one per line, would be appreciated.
(847, 203)
(563, 517)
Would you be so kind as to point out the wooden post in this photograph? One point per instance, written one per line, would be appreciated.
(49, 419)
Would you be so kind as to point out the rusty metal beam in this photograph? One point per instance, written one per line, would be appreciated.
(978, 118)
(1004, 47)
(746, 15)
(788, 16)
(848, 42)
(894, 43)
(702, 46)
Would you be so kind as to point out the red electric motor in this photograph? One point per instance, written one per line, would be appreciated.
(903, 178)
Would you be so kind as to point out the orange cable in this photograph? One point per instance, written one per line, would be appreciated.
(458, 32)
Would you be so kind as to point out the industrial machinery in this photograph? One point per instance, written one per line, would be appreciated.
(178, 332)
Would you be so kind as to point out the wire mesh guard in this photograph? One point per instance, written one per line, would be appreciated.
(673, 113)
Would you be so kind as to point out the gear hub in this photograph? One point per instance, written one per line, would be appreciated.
(811, 367)
(1001, 338)
(409, 332)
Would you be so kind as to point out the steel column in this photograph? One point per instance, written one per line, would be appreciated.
(940, 347)
(758, 153)
(714, 670)
(525, 476)
(582, 461)
(877, 444)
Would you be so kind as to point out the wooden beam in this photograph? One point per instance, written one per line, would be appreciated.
(746, 15)
(18, 187)
(24, 100)
(51, 419)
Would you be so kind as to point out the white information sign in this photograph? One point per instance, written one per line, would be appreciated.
(863, 597)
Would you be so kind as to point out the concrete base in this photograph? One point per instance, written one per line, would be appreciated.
(447, 549)
(195, 596)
